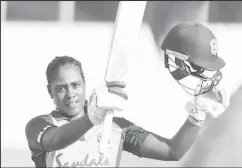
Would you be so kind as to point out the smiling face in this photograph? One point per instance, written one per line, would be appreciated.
(68, 90)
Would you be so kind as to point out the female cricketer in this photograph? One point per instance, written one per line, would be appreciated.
(69, 136)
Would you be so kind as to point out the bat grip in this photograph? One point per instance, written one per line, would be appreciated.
(107, 125)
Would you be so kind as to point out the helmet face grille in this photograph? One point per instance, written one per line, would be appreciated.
(189, 43)
(201, 88)
(193, 79)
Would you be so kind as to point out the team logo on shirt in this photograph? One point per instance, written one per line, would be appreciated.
(99, 137)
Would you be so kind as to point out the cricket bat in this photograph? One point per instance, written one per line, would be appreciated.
(125, 35)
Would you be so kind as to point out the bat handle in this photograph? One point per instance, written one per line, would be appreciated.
(107, 125)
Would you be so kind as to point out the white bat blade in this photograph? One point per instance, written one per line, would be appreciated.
(127, 25)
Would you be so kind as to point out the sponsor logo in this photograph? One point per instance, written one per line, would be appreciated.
(85, 162)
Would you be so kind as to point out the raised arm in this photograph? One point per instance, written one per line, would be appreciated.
(44, 136)
(148, 145)
(157, 147)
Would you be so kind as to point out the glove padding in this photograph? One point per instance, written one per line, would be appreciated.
(111, 96)
(213, 102)
(105, 98)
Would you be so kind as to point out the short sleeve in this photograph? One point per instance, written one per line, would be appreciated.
(34, 130)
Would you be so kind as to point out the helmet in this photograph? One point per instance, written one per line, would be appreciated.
(194, 50)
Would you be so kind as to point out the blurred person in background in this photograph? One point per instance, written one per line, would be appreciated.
(69, 136)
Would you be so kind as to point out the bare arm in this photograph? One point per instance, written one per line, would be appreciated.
(156, 147)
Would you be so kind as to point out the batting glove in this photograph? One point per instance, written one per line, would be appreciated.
(212, 103)
(105, 98)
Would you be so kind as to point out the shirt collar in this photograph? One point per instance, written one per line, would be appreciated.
(58, 116)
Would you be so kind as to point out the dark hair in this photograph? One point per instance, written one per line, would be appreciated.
(58, 61)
